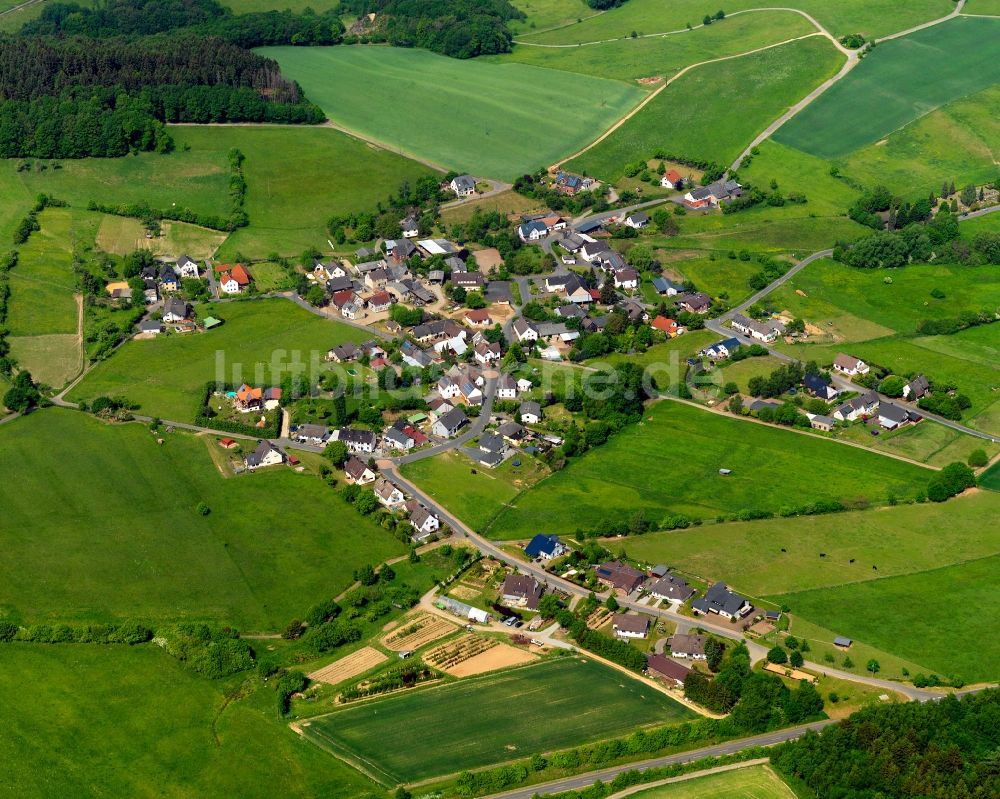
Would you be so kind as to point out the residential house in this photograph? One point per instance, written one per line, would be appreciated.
(364, 268)
(175, 310)
(672, 180)
(416, 292)
(721, 349)
(470, 281)
(399, 436)
(150, 291)
(463, 185)
(627, 278)
(531, 412)
(448, 388)
(414, 356)
(672, 589)
(365, 254)
(637, 220)
(762, 331)
(918, 387)
(377, 278)
(249, 399)
(575, 291)
(569, 184)
(520, 591)
(620, 577)
(315, 434)
(272, 398)
(524, 330)
(819, 386)
(857, 407)
(627, 625)
(670, 671)
(343, 353)
(850, 365)
(470, 392)
(450, 423)
(506, 387)
(479, 318)
(422, 520)
(570, 311)
(380, 301)
(355, 309)
(187, 267)
(491, 442)
(387, 493)
(891, 416)
(168, 280)
(357, 440)
(691, 647)
(357, 472)
(667, 326)
(488, 352)
(151, 326)
(532, 231)
(512, 432)
(822, 423)
(667, 288)
(594, 250)
(400, 250)
(410, 227)
(545, 547)
(335, 285)
(266, 454)
(234, 280)
(723, 602)
(696, 302)
(713, 195)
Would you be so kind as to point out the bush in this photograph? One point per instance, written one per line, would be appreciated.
(978, 458)
(203, 509)
(777, 655)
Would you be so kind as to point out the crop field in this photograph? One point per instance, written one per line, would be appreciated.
(629, 59)
(679, 119)
(957, 140)
(956, 59)
(260, 340)
(875, 18)
(630, 474)
(131, 543)
(77, 732)
(991, 478)
(415, 631)
(349, 666)
(476, 117)
(749, 782)
(474, 494)
(483, 720)
(935, 617)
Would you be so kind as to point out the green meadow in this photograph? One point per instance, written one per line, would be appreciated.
(259, 341)
(955, 59)
(488, 119)
(484, 720)
(749, 782)
(130, 721)
(694, 116)
(544, 14)
(120, 511)
(669, 463)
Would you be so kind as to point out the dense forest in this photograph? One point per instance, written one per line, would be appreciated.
(457, 28)
(948, 749)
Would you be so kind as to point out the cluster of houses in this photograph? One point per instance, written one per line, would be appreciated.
(869, 405)
(765, 331)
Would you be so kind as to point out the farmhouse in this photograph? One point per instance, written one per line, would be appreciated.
(687, 646)
(387, 493)
(720, 600)
(266, 454)
(545, 547)
(357, 440)
(315, 434)
(630, 626)
(450, 423)
(619, 576)
(762, 331)
(356, 471)
(531, 412)
(670, 671)
(335, 285)
(520, 591)
(918, 387)
(850, 365)
(380, 301)
(463, 185)
(672, 589)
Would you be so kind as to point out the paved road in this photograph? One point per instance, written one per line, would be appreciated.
(776, 284)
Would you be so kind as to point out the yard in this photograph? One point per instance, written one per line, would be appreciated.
(130, 542)
(130, 721)
(669, 464)
(956, 59)
(484, 720)
(749, 782)
(260, 341)
(679, 118)
(482, 121)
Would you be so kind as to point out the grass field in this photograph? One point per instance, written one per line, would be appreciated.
(629, 59)
(875, 18)
(750, 782)
(474, 498)
(990, 7)
(130, 543)
(129, 721)
(991, 478)
(121, 235)
(956, 59)
(680, 118)
(771, 468)
(259, 340)
(475, 722)
(934, 617)
(959, 140)
(53, 360)
(478, 117)
(933, 444)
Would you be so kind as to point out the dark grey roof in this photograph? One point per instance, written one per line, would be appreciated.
(491, 442)
(719, 598)
(454, 419)
(175, 306)
(353, 436)
(464, 182)
(532, 407)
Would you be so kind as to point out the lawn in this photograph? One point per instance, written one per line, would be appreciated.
(693, 117)
(956, 141)
(474, 494)
(936, 617)
(633, 472)
(869, 17)
(955, 59)
(749, 782)
(260, 341)
(131, 544)
(476, 117)
(479, 721)
(130, 721)
(629, 59)
(718, 275)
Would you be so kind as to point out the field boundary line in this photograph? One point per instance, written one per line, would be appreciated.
(653, 94)
(760, 761)
(955, 12)
(346, 755)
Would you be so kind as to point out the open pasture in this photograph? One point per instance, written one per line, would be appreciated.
(544, 14)
(954, 59)
(693, 117)
(484, 720)
(120, 235)
(474, 116)
(771, 468)
(260, 341)
(132, 544)
(749, 782)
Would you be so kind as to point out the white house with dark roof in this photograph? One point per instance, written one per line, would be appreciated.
(850, 365)
(266, 454)
(627, 625)
(387, 493)
(357, 472)
(637, 220)
(723, 602)
(463, 185)
(531, 412)
(918, 387)
(422, 521)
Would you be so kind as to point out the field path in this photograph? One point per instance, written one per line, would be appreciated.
(954, 13)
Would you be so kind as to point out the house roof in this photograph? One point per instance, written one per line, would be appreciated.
(687, 644)
(672, 175)
(491, 442)
(672, 588)
(664, 666)
(419, 514)
(263, 449)
(893, 413)
(665, 324)
(240, 275)
(523, 586)
(719, 597)
(844, 361)
(620, 575)
(355, 467)
(175, 306)
(380, 298)
(385, 489)
(312, 431)
(464, 182)
(542, 545)
(535, 226)
(246, 393)
(531, 407)
(815, 382)
(352, 436)
(641, 217)
(630, 623)
(479, 316)
(453, 419)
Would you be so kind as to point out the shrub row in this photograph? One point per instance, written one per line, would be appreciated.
(128, 632)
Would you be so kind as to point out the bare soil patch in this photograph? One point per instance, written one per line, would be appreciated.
(498, 657)
(350, 666)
